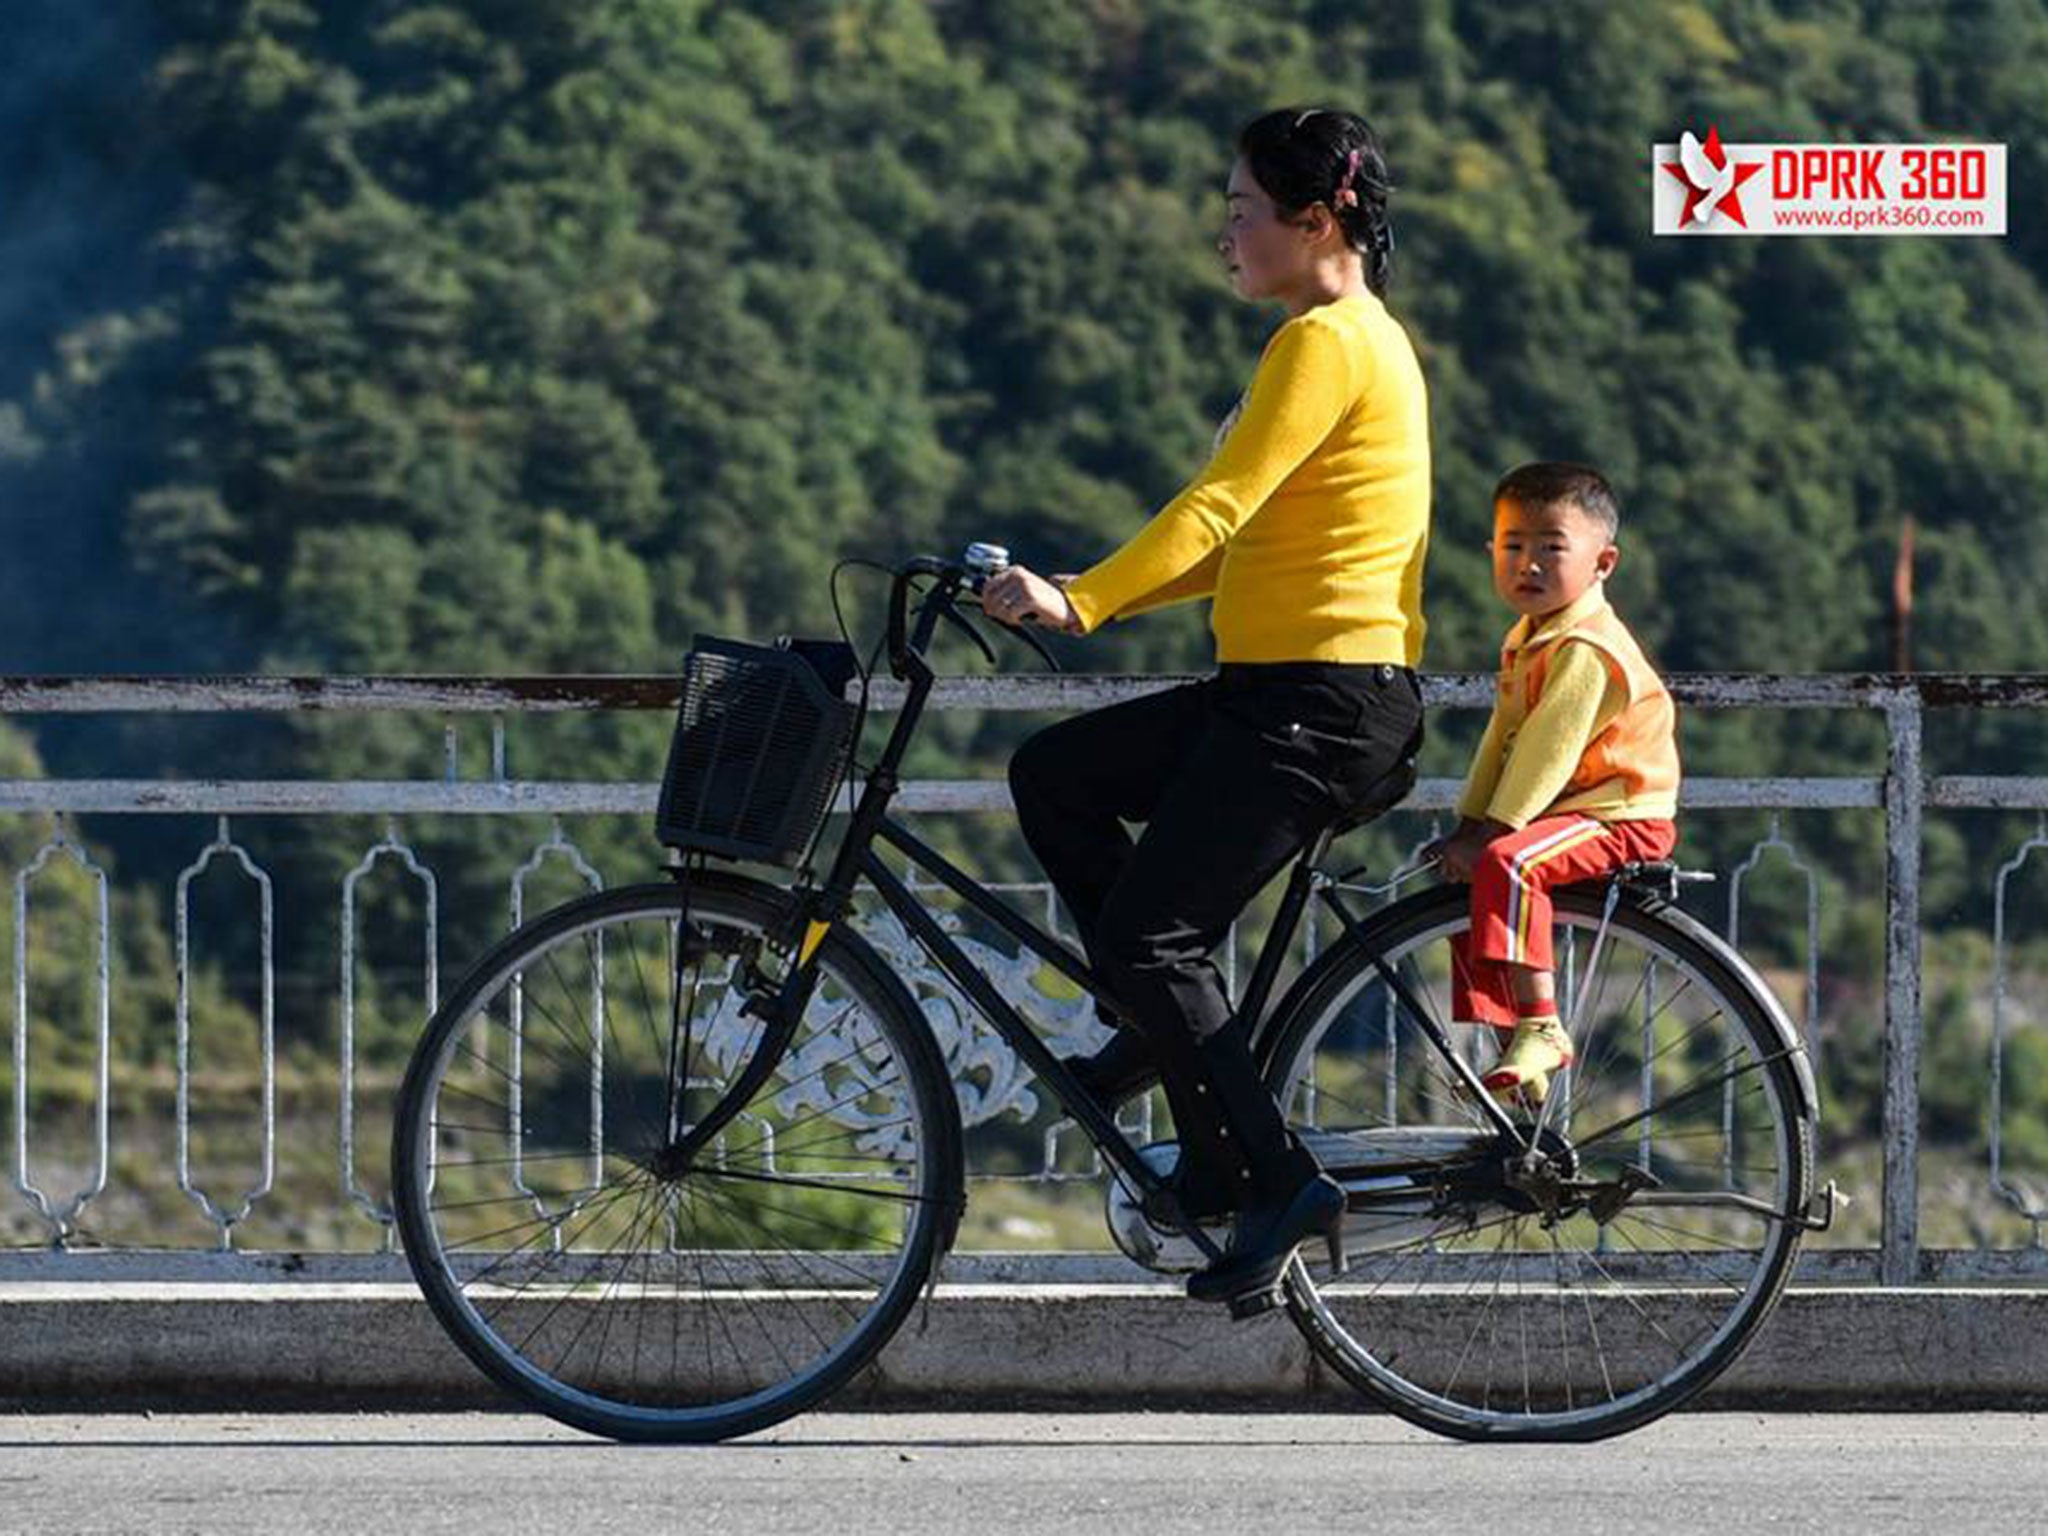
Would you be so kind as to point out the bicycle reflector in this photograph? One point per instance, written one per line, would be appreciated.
(760, 742)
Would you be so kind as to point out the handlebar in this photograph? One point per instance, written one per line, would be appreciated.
(970, 572)
(951, 576)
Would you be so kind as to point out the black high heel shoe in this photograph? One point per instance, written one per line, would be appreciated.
(1264, 1240)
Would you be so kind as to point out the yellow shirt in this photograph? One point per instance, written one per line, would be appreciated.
(1531, 753)
(1310, 523)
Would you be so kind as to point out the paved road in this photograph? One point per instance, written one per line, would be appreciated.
(845, 1473)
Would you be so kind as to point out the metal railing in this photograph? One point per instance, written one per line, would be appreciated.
(1902, 793)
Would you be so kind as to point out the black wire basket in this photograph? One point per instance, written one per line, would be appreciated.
(760, 745)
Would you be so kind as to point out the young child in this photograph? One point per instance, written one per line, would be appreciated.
(1577, 774)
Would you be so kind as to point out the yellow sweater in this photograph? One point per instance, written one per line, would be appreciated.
(1310, 523)
(1521, 768)
(1564, 683)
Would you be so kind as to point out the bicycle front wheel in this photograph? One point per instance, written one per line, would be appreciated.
(1681, 1142)
(541, 1209)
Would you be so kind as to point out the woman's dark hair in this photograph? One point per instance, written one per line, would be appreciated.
(1302, 156)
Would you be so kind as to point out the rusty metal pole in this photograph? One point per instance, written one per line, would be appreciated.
(1899, 1233)
(1902, 601)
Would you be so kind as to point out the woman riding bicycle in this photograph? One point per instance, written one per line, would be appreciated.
(1308, 527)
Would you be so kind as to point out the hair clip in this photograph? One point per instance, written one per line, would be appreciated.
(1345, 196)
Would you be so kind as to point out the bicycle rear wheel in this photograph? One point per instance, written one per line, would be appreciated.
(621, 1295)
(1483, 1311)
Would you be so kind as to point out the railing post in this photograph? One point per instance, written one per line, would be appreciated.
(1899, 1239)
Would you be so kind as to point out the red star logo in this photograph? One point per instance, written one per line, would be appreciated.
(1730, 201)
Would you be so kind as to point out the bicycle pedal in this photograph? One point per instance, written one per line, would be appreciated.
(1256, 1304)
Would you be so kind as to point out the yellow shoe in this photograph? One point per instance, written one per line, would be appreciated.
(1522, 1075)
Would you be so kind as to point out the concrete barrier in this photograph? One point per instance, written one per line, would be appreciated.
(325, 1345)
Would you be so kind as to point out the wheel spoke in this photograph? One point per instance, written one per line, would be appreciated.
(1522, 1314)
(687, 1307)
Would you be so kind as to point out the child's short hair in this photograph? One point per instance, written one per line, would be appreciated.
(1547, 482)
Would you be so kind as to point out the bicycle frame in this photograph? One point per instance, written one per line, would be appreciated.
(856, 859)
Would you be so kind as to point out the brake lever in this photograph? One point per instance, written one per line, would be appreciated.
(948, 611)
(1023, 632)
(986, 561)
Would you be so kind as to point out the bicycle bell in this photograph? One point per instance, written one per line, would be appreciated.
(986, 560)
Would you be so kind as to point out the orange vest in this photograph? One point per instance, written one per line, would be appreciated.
(1638, 750)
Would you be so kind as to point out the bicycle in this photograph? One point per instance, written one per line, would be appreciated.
(657, 1221)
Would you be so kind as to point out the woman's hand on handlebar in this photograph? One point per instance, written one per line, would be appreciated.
(1021, 596)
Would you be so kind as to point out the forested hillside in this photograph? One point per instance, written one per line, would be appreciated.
(530, 336)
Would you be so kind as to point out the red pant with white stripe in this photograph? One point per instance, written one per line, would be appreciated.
(1511, 886)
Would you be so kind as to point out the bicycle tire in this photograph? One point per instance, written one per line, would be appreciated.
(1408, 1375)
(841, 1245)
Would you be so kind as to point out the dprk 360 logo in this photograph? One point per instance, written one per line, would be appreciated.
(1712, 178)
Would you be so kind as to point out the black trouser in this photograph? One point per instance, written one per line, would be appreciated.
(1232, 777)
